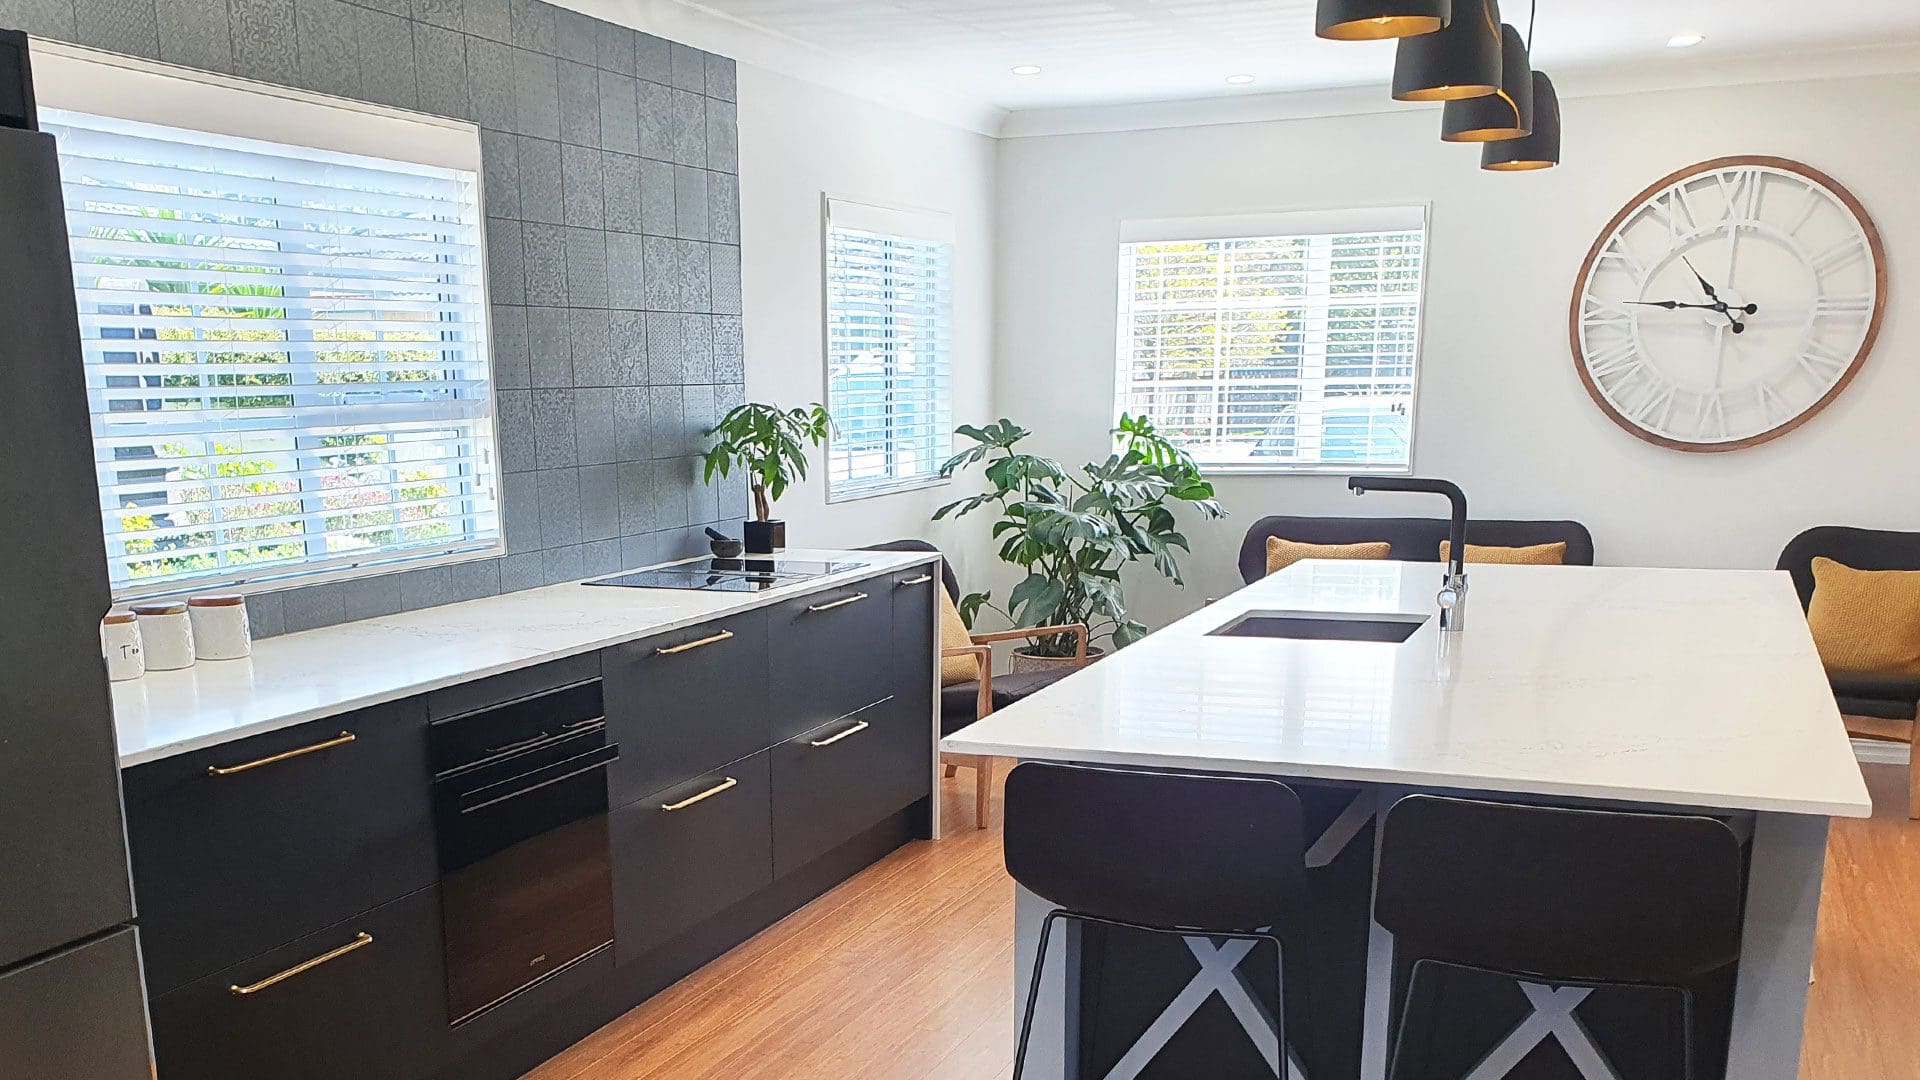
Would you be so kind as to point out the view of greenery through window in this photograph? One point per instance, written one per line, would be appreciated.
(1282, 351)
(285, 372)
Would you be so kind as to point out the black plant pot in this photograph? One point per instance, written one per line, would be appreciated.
(765, 537)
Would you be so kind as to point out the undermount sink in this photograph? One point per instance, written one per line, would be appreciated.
(1323, 626)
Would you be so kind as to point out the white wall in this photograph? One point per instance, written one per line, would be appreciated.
(1501, 410)
(798, 142)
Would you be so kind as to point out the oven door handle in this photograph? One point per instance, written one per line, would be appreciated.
(527, 783)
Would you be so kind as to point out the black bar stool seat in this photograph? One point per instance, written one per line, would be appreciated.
(1168, 853)
(1561, 898)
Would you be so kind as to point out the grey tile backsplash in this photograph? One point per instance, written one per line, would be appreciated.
(613, 231)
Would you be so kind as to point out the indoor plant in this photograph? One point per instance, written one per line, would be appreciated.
(1073, 533)
(769, 445)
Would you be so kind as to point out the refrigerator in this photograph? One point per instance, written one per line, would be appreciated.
(72, 1005)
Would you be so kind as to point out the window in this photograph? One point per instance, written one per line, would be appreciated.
(1276, 343)
(889, 338)
(286, 346)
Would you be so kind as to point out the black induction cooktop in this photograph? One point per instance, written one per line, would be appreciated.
(728, 575)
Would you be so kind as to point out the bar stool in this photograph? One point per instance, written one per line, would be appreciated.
(1569, 901)
(1166, 853)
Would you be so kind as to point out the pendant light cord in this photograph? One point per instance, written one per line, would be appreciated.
(1533, 15)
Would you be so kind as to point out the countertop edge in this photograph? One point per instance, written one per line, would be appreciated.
(341, 707)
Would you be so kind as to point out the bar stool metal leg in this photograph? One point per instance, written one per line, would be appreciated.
(1040, 961)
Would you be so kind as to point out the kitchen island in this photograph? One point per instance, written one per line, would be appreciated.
(1671, 690)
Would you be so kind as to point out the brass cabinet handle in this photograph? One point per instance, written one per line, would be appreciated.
(831, 739)
(692, 645)
(854, 599)
(521, 745)
(588, 722)
(921, 580)
(360, 941)
(702, 797)
(341, 739)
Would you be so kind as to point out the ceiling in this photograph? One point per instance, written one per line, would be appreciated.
(1103, 52)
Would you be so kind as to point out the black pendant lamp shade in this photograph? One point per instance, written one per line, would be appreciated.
(1372, 20)
(1540, 150)
(1460, 61)
(1506, 113)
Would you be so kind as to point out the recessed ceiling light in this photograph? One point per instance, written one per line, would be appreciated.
(1239, 80)
(1685, 40)
(1027, 69)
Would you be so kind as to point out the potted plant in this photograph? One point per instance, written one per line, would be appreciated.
(769, 444)
(1074, 533)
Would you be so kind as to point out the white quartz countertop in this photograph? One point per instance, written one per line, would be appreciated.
(1677, 687)
(319, 673)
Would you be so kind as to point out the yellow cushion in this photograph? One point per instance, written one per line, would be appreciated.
(953, 635)
(1284, 553)
(1536, 555)
(1866, 621)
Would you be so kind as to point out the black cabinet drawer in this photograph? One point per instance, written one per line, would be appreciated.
(913, 638)
(685, 854)
(359, 1000)
(834, 782)
(679, 704)
(829, 654)
(246, 846)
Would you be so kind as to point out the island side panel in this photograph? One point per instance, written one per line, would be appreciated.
(1788, 861)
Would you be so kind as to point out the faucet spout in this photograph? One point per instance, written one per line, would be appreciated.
(1453, 594)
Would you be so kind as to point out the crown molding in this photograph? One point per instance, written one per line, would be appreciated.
(748, 43)
(1671, 73)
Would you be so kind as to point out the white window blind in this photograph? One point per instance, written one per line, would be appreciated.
(286, 354)
(889, 325)
(1278, 343)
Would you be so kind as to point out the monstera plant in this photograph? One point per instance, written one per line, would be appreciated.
(1073, 532)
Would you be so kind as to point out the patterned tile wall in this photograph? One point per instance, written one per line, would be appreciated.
(613, 245)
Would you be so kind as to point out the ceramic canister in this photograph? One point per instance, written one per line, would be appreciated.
(120, 645)
(220, 630)
(166, 635)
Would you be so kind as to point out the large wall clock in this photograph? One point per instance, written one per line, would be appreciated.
(1728, 303)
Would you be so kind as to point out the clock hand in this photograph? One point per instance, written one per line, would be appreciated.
(1704, 287)
(1671, 305)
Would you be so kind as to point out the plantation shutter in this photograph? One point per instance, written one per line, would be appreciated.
(1275, 343)
(286, 354)
(889, 327)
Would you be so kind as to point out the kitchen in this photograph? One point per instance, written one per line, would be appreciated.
(498, 683)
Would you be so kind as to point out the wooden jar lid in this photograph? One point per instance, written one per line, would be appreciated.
(118, 618)
(161, 607)
(217, 600)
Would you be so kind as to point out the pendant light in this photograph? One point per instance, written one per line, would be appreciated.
(1460, 61)
(1541, 149)
(1507, 113)
(1373, 20)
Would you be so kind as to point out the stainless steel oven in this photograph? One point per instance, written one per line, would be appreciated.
(520, 805)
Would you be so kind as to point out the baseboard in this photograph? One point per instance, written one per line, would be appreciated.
(1879, 752)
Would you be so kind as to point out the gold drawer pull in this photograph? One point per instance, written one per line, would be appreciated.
(702, 797)
(588, 722)
(341, 739)
(521, 745)
(360, 941)
(831, 739)
(692, 645)
(921, 580)
(854, 599)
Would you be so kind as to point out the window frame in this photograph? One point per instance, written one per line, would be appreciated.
(1271, 224)
(904, 222)
(77, 79)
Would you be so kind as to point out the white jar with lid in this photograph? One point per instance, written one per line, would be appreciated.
(120, 646)
(220, 629)
(166, 635)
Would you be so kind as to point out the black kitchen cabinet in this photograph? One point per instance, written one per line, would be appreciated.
(683, 703)
(363, 999)
(77, 1014)
(829, 653)
(687, 853)
(838, 779)
(248, 845)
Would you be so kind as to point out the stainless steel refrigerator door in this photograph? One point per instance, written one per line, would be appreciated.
(63, 850)
(79, 1014)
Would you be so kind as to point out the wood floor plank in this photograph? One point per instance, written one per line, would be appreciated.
(905, 972)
